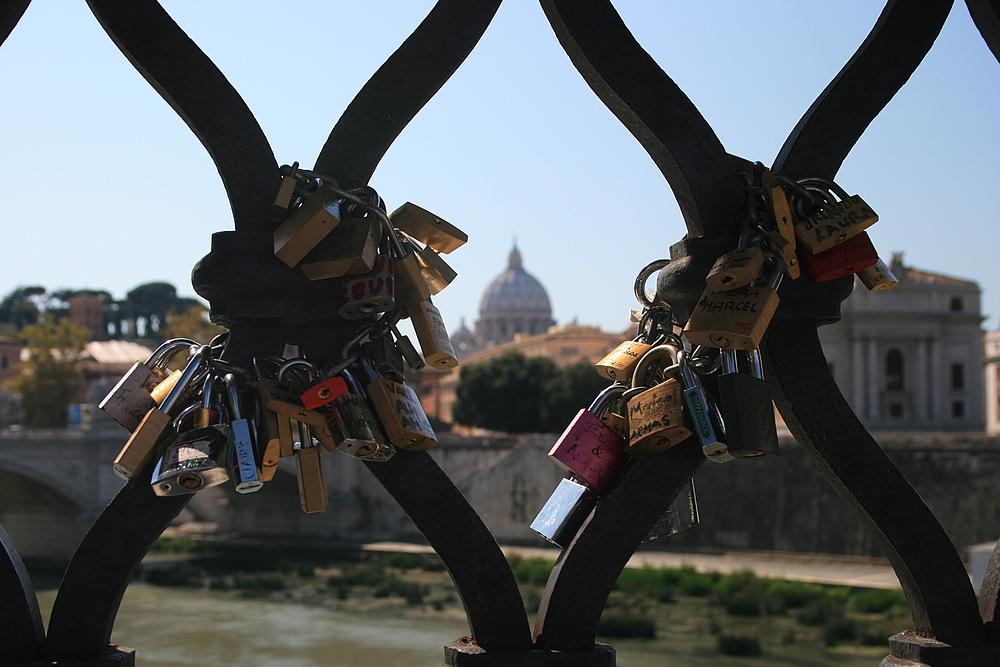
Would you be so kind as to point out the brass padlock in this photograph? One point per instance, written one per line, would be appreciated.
(436, 272)
(349, 249)
(276, 430)
(618, 364)
(655, 414)
(307, 225)
(286, 190)
(400, 412)
(142, 444)
(783, 234)
(735, 319)
(878, 277)
(432, 334)
(310, 473)
(428, 228)
(836, 222)
(736, 268)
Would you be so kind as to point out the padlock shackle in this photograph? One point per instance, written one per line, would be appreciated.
(201, 357)
(644, 275)
(167, 350)
(310, 367)
(607, 396)
(234, 397)
(651, 356)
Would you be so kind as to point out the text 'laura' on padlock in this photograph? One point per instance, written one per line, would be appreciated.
(834, 224)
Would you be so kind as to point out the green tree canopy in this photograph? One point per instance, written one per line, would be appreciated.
(20, 306)
(517, 394)
(51, 377)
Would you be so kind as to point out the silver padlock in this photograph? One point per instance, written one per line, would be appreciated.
(131, 398)
(242, 450)
(680, 514)
(703, 414)
(564, 512)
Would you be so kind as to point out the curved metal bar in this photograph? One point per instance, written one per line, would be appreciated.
(578, 587)
(11, 12)
(201, 95)
(92, 587)
(401, 87)
(929, 568)
(20, 617)
(986, 15)
(827, 132)
(655, 110)
(482, 575)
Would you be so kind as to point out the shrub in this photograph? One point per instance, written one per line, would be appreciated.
(739, 646)
(403, 561)
(534, 570)
(183, 574)
(837, 630)
(794, 594)
(744, 603)
(876, 601)
(615, 624)
(820, 611)
(692, 582)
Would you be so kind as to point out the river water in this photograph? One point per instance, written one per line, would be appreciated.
(176, 627)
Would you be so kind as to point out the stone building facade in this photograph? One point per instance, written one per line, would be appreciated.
(910, 358)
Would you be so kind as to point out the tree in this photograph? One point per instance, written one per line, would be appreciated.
(192, 323)
(505, 393)
(20, 306)
(51, 377)
(575, 387)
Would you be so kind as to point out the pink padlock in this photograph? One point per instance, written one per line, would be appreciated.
(588, 449)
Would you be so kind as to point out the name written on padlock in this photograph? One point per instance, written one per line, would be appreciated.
(652, 411)
(835, 224)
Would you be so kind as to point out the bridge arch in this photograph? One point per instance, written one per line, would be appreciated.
(44, 523)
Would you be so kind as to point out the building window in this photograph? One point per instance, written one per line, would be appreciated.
(895, 410)
(958, 409)
(957, 376)
(894, 370)
(956, 304)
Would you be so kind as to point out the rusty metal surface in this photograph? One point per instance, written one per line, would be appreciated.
(827, 132)
(401, 87)
(95, 580)
(655, 110)
(579, 585)
(202, 96)
(20, 620)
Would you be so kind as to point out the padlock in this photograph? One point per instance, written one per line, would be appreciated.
(132, 397)
(361, 434)
(436, 272)
(737, 268)
(432, 334)
(681, 514)
(841, 260)
(293, 410)
(878, 277)
(588, 449)
(704, 414)
(655, 414)
(399, 411)
(141, 445)
(620, 362)
(307, 225)
(835, 222)
(351, 248)
(275, 430)
(286, 190)
(409, 353)
(385, 356)
(783, 234)
(427, 228)
(195, 459)
(737, 318)
(746, 407)
(367, 294)
(243, 469)
(564, 512)
(310, 473)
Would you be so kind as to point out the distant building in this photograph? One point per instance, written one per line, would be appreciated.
(991, 371)
(10, 357)
(910, 358)
(87, 310)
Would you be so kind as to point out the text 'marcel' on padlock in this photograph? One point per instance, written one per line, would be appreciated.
(307, 225)
(589, 449)
(428, 228)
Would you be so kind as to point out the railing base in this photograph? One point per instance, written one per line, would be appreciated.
(113, 656)
(465, 652)
(908, 649)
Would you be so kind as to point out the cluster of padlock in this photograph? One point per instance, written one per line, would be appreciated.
(811, 222)
(385, 261)
(209, 421)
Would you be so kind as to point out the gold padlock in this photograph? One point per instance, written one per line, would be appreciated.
(836, 222)
(656, 416)
(735, 319)
(432, 334)
(783, 234)
(399, 410)
(427, 228)
(878, 277)
(307, 225)
(436, 272)
(350, 248)
(282, 200)
(620, 362)
(310, 474)
(735, 269)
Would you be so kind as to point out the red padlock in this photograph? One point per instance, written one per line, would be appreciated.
(855, 254)
(590, 450)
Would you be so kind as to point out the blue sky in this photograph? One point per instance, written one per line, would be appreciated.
(103, 186)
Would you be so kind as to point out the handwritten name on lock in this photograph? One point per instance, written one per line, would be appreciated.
(655, 410)
(832, 221)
